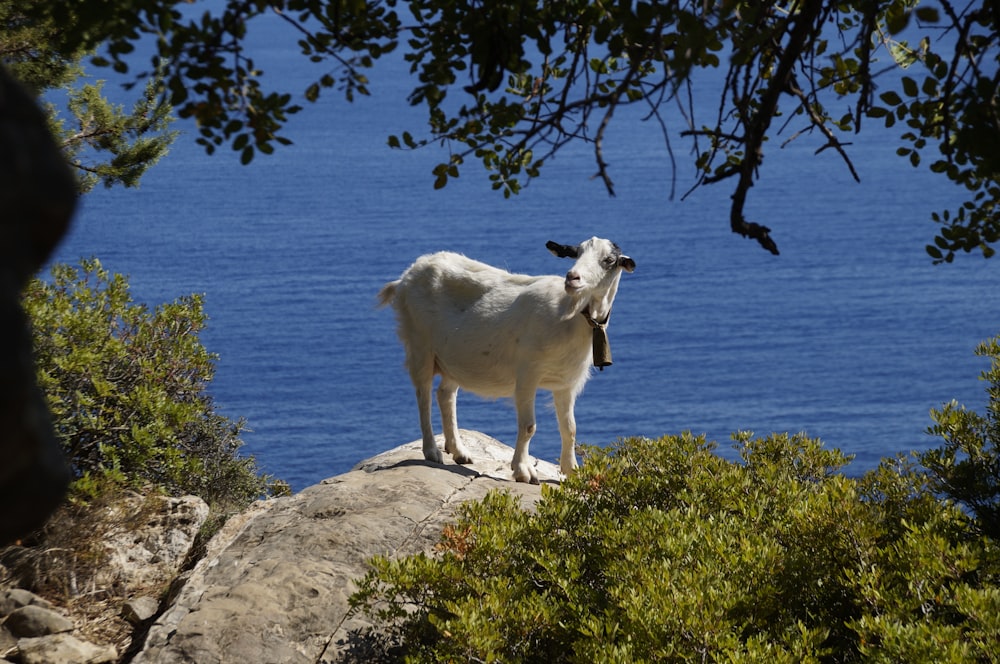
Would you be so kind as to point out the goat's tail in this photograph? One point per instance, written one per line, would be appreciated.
(388, 292)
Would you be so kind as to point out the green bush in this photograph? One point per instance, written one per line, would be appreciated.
(967, 467)
(126, 387)
(661, 550)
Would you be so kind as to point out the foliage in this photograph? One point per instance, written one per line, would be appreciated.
(510, 83)
(661, 550)
(104, 143)
(127, 391)
(949, 106)
(967, 468)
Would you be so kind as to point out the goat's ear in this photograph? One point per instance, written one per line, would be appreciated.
(626, 263)
(563, 250)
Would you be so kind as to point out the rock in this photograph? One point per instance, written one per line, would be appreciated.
(8, 642)
(34, 620)
(15, 598)
(12, 599)
(63, 649)
(274, 583)
(139, 610)
(150, 540)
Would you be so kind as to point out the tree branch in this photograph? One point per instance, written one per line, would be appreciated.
(818, 123)
(760, 121)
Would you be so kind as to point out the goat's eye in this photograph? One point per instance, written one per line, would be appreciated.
(609, 262)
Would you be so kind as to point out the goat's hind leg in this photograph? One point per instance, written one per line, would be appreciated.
(447, 395)
(422, 375)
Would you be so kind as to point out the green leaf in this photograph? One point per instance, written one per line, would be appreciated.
(891, 98)
(897, 18)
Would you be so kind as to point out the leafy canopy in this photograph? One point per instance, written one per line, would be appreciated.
(510, 83)
(102, 141)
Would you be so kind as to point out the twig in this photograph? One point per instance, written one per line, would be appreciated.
(818, 123)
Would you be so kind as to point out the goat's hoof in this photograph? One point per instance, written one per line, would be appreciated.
(525, 473)
(462, 458)
(434, 456)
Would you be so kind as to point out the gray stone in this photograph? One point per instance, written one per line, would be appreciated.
(63, 649)
(33, 620)
(140, 609)
(15, 598)
(7, 642)
(274, 583)
(148, 550)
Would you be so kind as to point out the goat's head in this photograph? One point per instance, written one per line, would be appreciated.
(597, 262)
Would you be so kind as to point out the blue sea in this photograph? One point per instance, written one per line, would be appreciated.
(850, 335)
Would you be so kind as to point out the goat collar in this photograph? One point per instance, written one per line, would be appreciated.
(602, 350)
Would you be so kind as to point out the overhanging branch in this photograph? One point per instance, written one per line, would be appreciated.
(760, 121)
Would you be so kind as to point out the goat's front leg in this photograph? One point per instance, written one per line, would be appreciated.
(564, 400)
(524, 400)
(447, 394)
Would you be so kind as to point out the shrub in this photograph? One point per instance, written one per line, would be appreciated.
(661, 550)
(126, 387)
(967, 468)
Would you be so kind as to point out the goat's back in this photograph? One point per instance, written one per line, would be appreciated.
(449, 284)
(484, 325)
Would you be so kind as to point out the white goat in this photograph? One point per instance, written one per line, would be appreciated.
(499, 334)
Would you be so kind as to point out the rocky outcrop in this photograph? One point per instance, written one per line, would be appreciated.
(34, 632)
(141, 544)
(149, 540)
(274, 583)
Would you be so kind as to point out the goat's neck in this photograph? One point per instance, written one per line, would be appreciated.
(599, 303)
(599, 310)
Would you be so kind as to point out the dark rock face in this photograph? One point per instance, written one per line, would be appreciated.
(37, 198)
